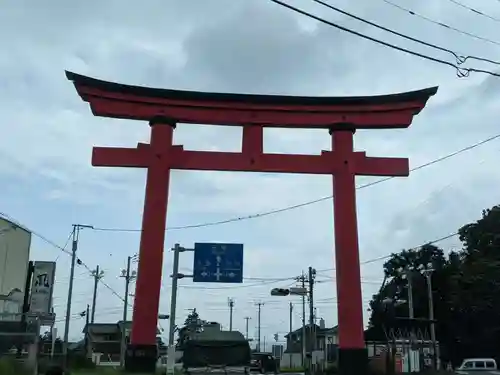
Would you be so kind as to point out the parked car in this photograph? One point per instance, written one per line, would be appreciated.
(477, 364)
(264, 363)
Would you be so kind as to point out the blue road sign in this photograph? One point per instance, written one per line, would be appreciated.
(218, 263)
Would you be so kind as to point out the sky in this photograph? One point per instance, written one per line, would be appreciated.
(239, 46)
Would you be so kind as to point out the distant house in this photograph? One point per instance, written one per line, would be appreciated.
(410, 340)
(106, 338)
(326, 341)
(322, 337)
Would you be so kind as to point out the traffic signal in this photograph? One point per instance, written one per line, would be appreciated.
(275, 337)
(280, 292)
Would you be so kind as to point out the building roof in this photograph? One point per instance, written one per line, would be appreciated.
(320, 331)
(107, 328)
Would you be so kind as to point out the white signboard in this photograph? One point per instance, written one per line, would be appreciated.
(42, 286)
(14, 257)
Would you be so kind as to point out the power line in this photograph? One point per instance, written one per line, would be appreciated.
(441, 24)
(65, 245)
(45, 239)
(272, 281)
(264, 282)
(478, 12)
(237, 286)
(390, 255)
(460, 59)
(460, 71)
(36, 234)
(63, 249)
(307, 203)
(100, 279)
(330, 299)
(60, 248)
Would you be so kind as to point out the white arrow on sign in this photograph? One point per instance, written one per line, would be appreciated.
(204, 274)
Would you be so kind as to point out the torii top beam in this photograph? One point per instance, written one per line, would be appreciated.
(108, 99)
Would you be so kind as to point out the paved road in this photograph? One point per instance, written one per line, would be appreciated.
(461, 372)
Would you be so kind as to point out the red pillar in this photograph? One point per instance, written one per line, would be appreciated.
(349, 296)
(147, 292)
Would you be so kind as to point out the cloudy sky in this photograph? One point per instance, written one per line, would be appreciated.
(247, 46)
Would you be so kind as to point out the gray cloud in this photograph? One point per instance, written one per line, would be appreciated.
(236, 55)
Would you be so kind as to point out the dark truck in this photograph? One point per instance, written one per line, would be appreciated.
(215, 349)
(264, 363)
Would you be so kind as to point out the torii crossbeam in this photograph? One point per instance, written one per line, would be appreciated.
(164, 109)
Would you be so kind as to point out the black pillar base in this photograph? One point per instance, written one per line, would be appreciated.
(353, 361)
(141, 358)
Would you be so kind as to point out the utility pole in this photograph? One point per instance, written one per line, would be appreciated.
(97, 275)
(87, 321)
(173, 297)
(26, 302)
(408, 274)
(173, 304)
(291, 319)
(411, 312)
(74, 248)
(259, 305)
(128, 276)
(428, 276)
(231, 305)
(247, 318)
(302, 279)
(310, 279)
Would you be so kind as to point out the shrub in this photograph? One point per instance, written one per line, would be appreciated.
(54, 370)
(81, 362)
(291, 369)
(331, 370)
(10, 366)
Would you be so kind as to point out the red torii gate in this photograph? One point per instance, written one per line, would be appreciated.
(163, 109)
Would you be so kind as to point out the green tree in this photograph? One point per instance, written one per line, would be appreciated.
(412, 262)
(476, 287)
(192, 320)
(192, 324)
(466, 290)
(395, 287)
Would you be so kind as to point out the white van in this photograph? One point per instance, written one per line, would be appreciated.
(478, 364)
